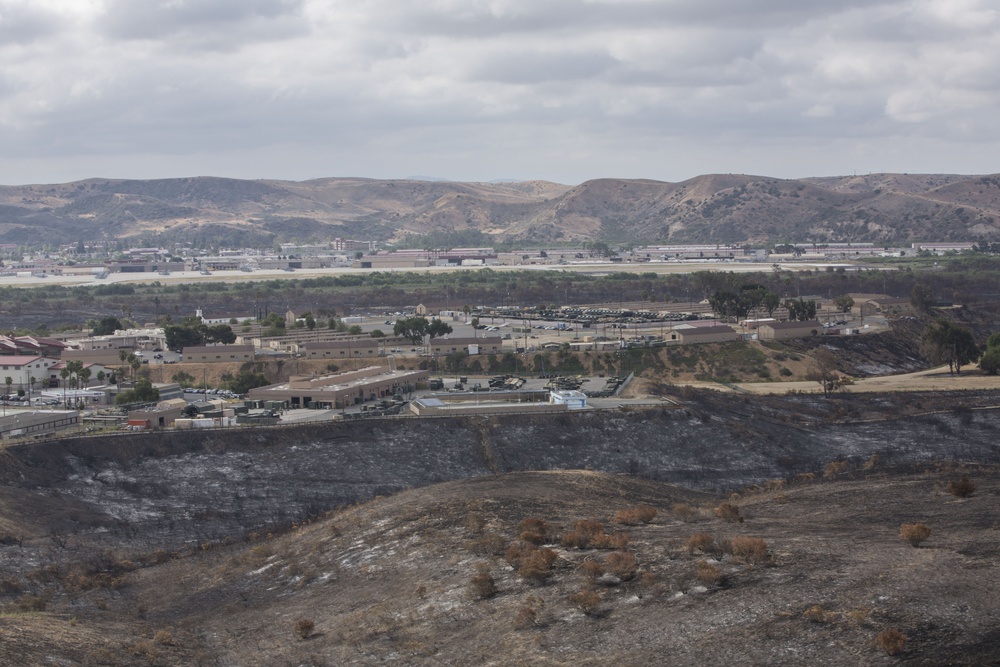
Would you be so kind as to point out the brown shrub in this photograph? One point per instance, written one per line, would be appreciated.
(622, 564)
(707, 573)
(914, 533)
(616, 540)
(482, 585)
(774, 485)
(872, 462)
(635, 515)
(575, 540)
(536, 566)
(686, 513)
(804, 477)
(834, 468)
(591, 569)
(163, 637)
(525, 617)
(487, 544)
(590, 533)
(474, 523)
(536, 526)
(750, 549)
(516, 552)
(304, 628)
(533, 537)
(962, 487)
(702, 542)
(816, 614)
(729, 512)
(587, 601)
(892, 641)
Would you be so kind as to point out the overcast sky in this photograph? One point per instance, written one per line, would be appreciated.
(562, 90)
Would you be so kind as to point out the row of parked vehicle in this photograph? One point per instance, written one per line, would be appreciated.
(222, 393)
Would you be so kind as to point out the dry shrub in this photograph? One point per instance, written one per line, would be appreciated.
(525, 617)
(144, 649)
(474, 523)
(708, 573)
(686, 513)
(482, 585)
(533, 537)
(892, 641)
(536, 566)
(816, 614)
(538, 528)
(962, 487)
(304, 628)
(587, 601)
(834, 468)
(590, 533)
(163, 637)
(622, 564)
(872, 462)
(774, 485)
(749, 549)
(488, 544)
(516, 552)
(914, 533)
(729, 512)
(633, 516)
(801, 478)
(30, 603)
(591, 569)
(702, 542)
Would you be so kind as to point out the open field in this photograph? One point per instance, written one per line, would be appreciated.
(180, 277)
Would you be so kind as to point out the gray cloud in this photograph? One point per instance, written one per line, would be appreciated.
(478, 89)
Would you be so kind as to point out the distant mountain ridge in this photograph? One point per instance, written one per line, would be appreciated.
(714, 208)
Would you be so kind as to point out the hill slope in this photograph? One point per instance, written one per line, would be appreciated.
(409, 580)
(711, 208)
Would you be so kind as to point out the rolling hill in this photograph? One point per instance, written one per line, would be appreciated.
(714, 208)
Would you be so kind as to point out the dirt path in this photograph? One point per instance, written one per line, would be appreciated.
(934, 379)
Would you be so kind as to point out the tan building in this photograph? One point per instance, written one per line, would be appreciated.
(218, 353)
(162, 415)
(358, 348)
(338, 390)
(491, 345)
(785, 330)
(23, 369)
(718, 333)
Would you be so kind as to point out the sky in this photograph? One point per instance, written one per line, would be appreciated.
(477, 90)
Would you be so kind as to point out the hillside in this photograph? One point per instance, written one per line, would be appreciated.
(711, 208)
(803, 573)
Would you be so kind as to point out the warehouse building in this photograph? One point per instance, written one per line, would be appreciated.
(339, 390)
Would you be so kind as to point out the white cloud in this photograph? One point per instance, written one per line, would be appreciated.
(477, 89)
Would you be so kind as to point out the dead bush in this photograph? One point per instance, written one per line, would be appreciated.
(914, 533)
(589, 533)
(30, 603)
(304, 628)
(474, 523)
(963, 487)
(633, 516)
(749, 549)
(482, 585)
(816, 614)
(163, 638)
(702, 542)
(729, 512)
(892, 641)
(587, 601)
(525, 617)
(804, 477)
(686, 513)
(590, 569)
(872, 462)
(622, 564)
(536, 566)
(487, 544)
(516, 552)
(834, 468)
(535, 530)
(774, 485)
(707, 573)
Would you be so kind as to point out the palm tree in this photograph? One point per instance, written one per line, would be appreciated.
(64, 373)
(8, 381)
(123, 356)
(84, 374)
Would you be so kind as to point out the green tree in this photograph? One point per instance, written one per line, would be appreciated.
(413, 328)
(143, 392)
(378, 333)
(990, 361)
(844, 303)
(220, 333)
(106, 326)
(438, 328)
(179, 336)
(944, 342)
(922, 298)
